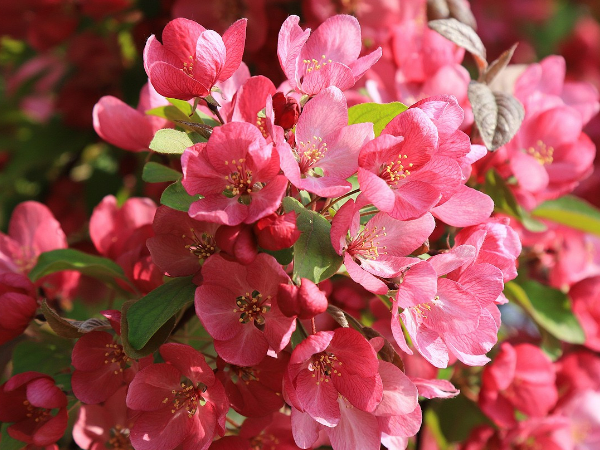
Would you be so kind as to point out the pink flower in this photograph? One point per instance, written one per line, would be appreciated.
(120, 233)
(191, 59)
(326, 151)
(521, 377)
(18, 304)
(180, 402)
(329, 57)
(101, 367)
(180, 244)
(585, 296)
(128, 128)
(236, 172)
(32, 230)
(238, 307)
(496, 243)
(329, 365)
(27, 401)
(455, 315)
(99, 426)
(254, 391)
(379, 249)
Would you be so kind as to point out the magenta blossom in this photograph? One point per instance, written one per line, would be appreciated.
(128, 128)
(329, 57)
(326, 151)
(18, 304)
(237, 172)
(521, 377)
(379, 249)
(238, 307)
(191, 59)
(180, 402)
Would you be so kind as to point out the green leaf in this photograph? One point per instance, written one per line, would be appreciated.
(9, 443)
(283, 257)
(171, 142)
(380, 114)
(550, 308)
(47, 354)
(175, 196)
(97, 267)
(459, 407)
(572, 212)
(157, 173)
(505, 202)
(150, 313)
(314, 256)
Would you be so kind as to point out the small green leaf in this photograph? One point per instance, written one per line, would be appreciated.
(97, 267)
(550, 308)
(175, 196)
(157, 173)
(572, 212)
(146, 316)
(314, 256)
(380, 114)
(157, 339)
(9, 443)
(171, 142)
(283, 257)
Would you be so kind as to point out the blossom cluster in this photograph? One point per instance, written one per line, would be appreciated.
(325, 257)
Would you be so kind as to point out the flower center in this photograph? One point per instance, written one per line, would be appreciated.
(542, 153)
(119, 438)
(395, 171)
(39, 415)
(115, 355)
(264, 442)
(252, 307)
(202, 246)
(422, 308)
(187, 398)
(188, 67)
(323, 365)
(315, 64)
(309, 153)
(366, 245)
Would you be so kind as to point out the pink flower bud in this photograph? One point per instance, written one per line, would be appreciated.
(276, 232)
(237, 241)
(305, 301)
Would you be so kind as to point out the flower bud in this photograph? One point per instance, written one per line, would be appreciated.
(305, 301)
(276, 232)
(238, 242)
(286, 110)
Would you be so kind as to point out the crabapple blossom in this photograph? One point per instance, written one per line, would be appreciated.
(27, 400)
(236, 172)
(180, 402)
(18, 303)
(238, 307)
(327, 57)
(326, 151)
(191, 59)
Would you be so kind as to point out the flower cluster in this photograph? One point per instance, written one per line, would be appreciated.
(325, 256)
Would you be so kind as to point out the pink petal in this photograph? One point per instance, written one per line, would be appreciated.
(364, 63)
(219, 209)
(355, 430)
(333, 74)
(267, 200)
(290, 41)
(531, 175)
(304, 428)
(234, 39)
(189, 362)
(466, 207)
(247, 348)
(364, 278)
(435, 388)
(172, 82)
(399, 393)
(214, 307)
(338, 38)
(318, 398)
(330, 103)
(210, 58)
(180, 36)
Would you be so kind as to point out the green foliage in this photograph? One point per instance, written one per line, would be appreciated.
(170, 142)
(97, 267)
(314, 256)
(157, 173)
(175, 196)
(380, 114)
(150, 313)
(549, 308)
(572, 212)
